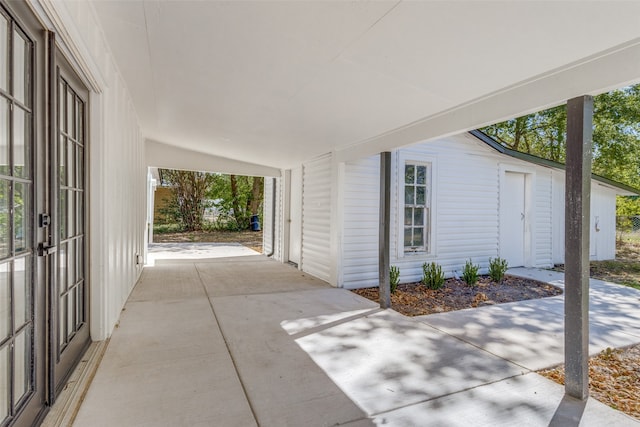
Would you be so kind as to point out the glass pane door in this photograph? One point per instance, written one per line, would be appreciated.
(17, 291)
(68, 161)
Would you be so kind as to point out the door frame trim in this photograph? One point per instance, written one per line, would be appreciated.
(529, 208)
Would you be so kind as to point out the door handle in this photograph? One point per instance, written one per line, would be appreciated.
(46, 249)
(522, 216)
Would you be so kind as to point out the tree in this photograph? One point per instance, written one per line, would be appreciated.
(190, 191)
(240, 197)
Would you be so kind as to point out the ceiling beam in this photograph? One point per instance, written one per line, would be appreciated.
(168, 156)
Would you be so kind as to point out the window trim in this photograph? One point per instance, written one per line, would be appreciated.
(402, 160)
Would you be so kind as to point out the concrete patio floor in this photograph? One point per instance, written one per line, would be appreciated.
(247, 341)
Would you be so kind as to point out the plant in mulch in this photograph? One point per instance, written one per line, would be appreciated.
(394, 277)
(470, 273)
(497, 268)
(432, 275)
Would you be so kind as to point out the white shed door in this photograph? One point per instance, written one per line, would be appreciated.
(295, 215)
(513, 219)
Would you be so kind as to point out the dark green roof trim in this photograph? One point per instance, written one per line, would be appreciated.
(542, 162)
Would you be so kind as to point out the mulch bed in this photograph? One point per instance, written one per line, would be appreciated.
(415, 299)
(614, 379)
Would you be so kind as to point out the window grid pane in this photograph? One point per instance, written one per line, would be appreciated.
(416, 213)
(21, 68)
(5, 302)
(4, 63)
(5, 219)
(21, 368)
(5, 378)
(21, 216)
(21, 292)
(4, 137)
(21, 142)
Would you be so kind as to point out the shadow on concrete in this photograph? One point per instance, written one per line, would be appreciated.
(569, 412)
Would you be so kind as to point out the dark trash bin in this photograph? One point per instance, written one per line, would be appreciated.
(255, 223)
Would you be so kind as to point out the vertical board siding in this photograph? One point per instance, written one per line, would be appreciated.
(543, 219)
(268, 245)
(267, 216)
(361, 217)
(316, 217)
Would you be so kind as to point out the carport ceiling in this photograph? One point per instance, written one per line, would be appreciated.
(276, 83)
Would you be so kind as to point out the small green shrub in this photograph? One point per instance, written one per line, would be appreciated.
(394, 273)
(432, 275)
(470, 273)
(497, 268)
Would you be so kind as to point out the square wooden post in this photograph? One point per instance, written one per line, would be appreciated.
(577, 220)
(384, 229)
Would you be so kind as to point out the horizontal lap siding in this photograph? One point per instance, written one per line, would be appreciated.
(316, 218)
(361, 216)
(466, 207)
(558, 217)
(603, 205)
(465, 211)
(543, 218)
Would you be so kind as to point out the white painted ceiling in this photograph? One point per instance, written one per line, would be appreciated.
(277, 83)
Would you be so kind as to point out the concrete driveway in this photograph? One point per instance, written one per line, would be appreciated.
(248, 341)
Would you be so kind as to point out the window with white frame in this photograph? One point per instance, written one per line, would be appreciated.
(417, 207)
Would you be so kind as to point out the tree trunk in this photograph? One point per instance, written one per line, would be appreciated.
(257, 193)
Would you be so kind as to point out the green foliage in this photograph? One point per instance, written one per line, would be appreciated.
(470, 273)
(189, 196)
(233, 198)
(497, 268)
(616, 135)
(394, 277)
(237, 199)
(432, 275)
(628, 205)
(167, 228)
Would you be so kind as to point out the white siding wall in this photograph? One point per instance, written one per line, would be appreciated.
(466, 185)
(558, 217)
(316, 218)
(603, 212)
(543, 231)
(361, 217)
(117, 171)
(603, 222)
(270, 246)
(464, 203)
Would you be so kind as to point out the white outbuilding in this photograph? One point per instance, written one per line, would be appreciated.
(453, 199)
